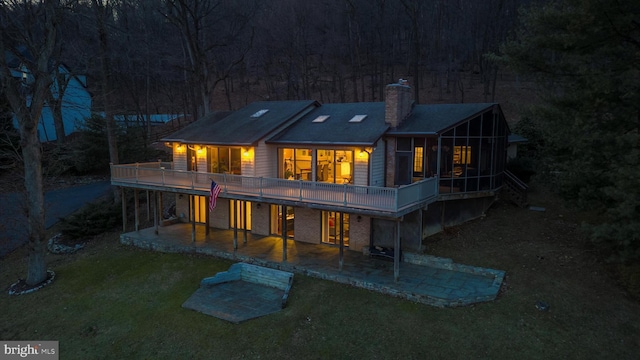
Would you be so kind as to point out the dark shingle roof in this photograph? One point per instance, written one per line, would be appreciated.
(336, 129)
(240, 128)
(434, 118)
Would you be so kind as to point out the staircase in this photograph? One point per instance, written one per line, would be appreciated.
(514, 190)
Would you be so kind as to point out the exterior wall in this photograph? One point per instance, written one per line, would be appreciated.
(359, 232)
(377, 164)
(390, 170)
(360, 168)
(219, 217)
(307, 225)
(260, 219)
(182, 207)
(432, 219)
(179, 157)
(265, 160)
(247, 162)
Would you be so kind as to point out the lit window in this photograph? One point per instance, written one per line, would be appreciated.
(418, 159)
(462, 155)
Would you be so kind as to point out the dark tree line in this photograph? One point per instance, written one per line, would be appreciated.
(193, 56)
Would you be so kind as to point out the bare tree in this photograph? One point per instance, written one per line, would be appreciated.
(29, 36)
(102, 10)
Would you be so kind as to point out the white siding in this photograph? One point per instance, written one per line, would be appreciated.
(179, 157)
(248, 163)
(377, 165)
(360, 168)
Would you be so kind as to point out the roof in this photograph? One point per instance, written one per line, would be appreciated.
(515, 138)
(240, 128)
(337, 129)
(435, 118)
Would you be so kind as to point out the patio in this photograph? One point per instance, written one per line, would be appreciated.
(445, 285)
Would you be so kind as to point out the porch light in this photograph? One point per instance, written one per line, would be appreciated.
(361, 154)
(245, 152)
(168, 144)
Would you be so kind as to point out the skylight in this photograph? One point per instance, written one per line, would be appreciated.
(320, 118)
(259, 113)
(357, 118)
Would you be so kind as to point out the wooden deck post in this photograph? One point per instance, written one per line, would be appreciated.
(206, 219)
(244, 221)
(155, 211)
(192, 199)
(148, 207)
(234, 221)
(284, 233)
(341, 262)
(124, 209)
(136, 210)
(396, 253)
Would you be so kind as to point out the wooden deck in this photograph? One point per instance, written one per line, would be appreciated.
(342, 197)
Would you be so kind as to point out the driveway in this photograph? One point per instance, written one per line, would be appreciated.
(58, 204)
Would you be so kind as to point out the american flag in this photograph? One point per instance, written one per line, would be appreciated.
(213, 195)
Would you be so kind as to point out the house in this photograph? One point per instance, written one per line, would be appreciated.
(68, 93)
(372, 177)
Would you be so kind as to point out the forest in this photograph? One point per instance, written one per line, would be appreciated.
(195, 56)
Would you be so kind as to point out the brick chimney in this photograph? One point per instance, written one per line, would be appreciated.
(397, 103)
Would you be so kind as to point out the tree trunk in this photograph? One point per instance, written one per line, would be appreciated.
(32, 155)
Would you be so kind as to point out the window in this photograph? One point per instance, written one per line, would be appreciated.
(320, 119)
(295, 164)
(357, 118)
(462, 155)
(334, 166)
(225, 160)
(259, 113)
(418, 159)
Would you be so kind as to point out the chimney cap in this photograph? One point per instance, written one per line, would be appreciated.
(403, 82)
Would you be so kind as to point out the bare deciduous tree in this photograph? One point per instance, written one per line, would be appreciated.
(28, 40)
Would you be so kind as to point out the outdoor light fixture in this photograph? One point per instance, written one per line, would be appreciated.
(359, 218)
(246, 152)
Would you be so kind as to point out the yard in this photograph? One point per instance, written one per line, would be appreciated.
(115, 302)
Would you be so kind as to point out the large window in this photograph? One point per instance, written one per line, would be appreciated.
(335, 166)
(295, 164)
(331, 227)
(224, 160)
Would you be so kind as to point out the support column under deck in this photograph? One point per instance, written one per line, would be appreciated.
(136, 202)
(244, 221)
(284, 233)
(396, 254)
(341, 261)
(192, 199)
(124, 210)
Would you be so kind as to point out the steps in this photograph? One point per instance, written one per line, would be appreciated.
(514, 190)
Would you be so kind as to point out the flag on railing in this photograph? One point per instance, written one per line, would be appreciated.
(213, 195)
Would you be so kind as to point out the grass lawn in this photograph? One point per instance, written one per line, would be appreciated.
(115, 302)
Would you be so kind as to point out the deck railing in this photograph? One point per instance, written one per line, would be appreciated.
(161, 174)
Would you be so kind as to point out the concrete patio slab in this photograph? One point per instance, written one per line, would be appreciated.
(433, 282)
(236, 301)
